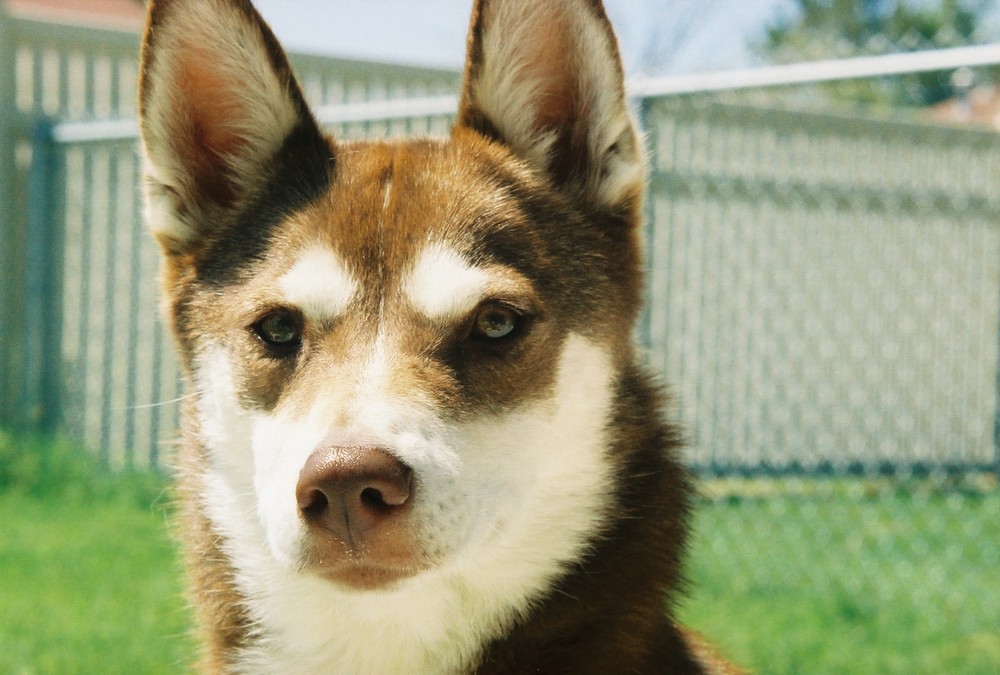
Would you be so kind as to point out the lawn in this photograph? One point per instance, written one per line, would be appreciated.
(88, 586)
(89, 578)
(787, 576)
(851, 577)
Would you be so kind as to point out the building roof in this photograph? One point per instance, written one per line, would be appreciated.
(116, 14)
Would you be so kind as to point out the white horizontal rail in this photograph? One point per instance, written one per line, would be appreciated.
(818, 71)
(345, 113)
(386, 111)
(639, 87)
(95, 131)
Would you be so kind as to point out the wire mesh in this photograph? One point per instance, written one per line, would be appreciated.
(824, 289)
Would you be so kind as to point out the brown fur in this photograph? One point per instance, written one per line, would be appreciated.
(573, 266)
(223, 626)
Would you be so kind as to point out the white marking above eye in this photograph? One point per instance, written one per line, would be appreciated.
(444, 285)
(319, 284)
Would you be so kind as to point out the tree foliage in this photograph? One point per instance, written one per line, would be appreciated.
(823, 29)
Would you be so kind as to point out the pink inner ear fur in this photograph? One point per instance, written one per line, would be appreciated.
(553, 64)
(213, 135)
(213, 108)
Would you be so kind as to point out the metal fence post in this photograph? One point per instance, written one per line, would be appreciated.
(42, 308)
(9, 123)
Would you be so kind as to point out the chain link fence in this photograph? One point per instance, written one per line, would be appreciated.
(824, 289)
(824, 285)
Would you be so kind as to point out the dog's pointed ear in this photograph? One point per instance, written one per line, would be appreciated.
(218, 102)
(545, 78)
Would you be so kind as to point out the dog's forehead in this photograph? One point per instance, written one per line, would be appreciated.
(440, 284)
(391, 199)
(418, 220)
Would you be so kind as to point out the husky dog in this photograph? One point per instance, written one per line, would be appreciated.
(417, 440)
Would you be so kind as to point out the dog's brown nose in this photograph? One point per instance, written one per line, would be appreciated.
(350, 490)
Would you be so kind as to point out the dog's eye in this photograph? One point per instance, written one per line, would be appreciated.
(280, 330)
(495, 321)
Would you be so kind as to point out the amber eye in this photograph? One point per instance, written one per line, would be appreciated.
(280, 330)
(495, 321)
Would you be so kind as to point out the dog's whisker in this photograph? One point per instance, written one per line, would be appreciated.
(160, 404)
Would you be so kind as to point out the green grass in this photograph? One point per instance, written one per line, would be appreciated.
(786, 576)
(89, 579)
(850, 578)
(88, 588)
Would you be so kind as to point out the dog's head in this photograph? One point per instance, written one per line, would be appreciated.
(403, 355)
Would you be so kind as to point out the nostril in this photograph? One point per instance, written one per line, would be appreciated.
(373, 498)
(388, 490)
(313, 503)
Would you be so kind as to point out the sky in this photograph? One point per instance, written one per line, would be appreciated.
(658, 37)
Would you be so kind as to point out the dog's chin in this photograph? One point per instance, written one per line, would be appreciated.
(359, 570)
(363, 577)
